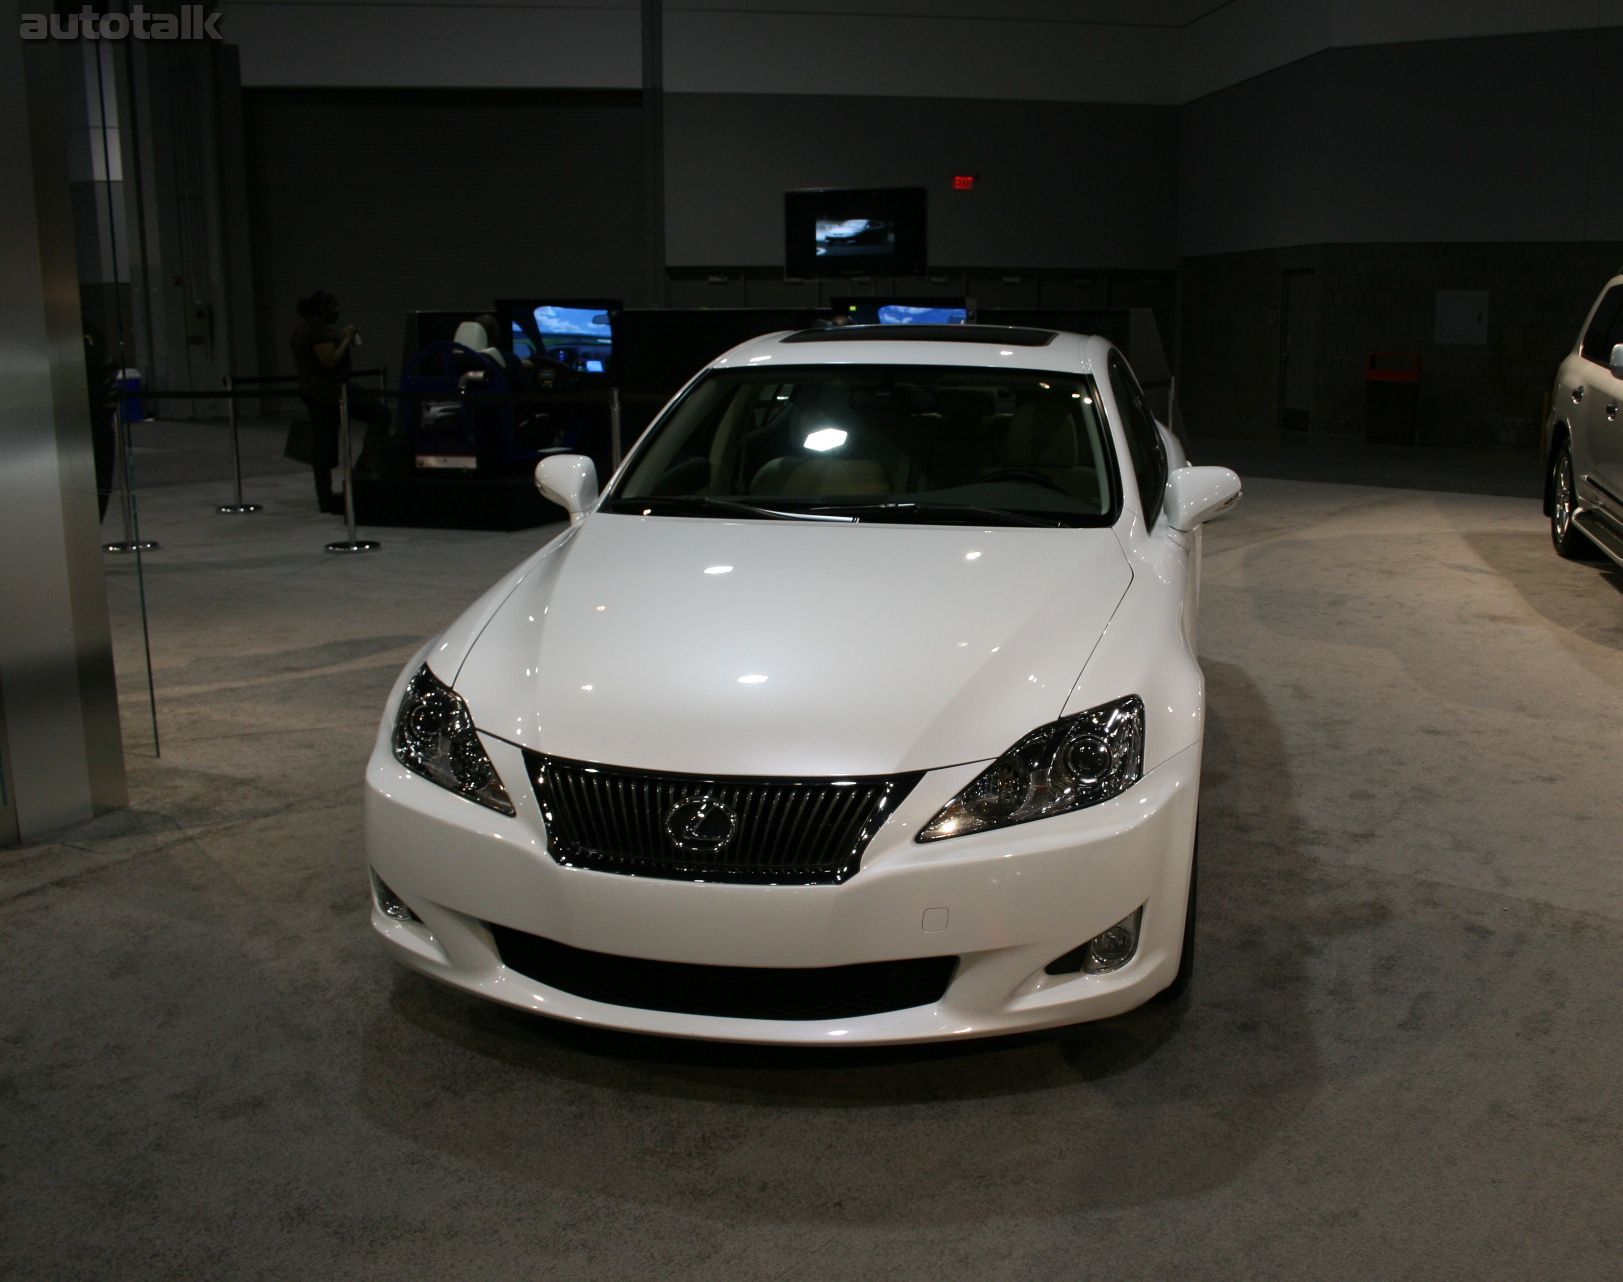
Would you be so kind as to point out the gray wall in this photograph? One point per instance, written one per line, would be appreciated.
(1500, 139)
(1168, 51)
(1475, 160)
(1396, 172)
(403, 200)
(444, 43)
(1061, 184)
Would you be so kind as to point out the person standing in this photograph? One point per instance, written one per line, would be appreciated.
(321, 355)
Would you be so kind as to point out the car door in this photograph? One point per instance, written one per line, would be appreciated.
(1592, 402)
(1605, 420)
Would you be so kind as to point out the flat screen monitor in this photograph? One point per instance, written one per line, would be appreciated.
(850, 232)
(903, 311)
(577, 333)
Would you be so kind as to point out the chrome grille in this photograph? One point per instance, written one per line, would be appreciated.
(705, 828)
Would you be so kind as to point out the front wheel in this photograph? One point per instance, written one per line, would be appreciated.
(1569, 541)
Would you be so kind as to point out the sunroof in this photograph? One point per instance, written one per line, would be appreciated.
(997, 335)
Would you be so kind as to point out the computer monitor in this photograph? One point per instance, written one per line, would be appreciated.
(903, 311)
(578, 333)
(839, 232)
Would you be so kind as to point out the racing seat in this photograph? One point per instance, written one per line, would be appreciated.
(446, 429)
(471, 334)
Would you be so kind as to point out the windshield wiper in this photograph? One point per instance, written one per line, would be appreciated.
(705, 504)
(925, 512)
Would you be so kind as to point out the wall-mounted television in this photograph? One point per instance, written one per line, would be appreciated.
(577, 332)
(903, 311)
(832, 231)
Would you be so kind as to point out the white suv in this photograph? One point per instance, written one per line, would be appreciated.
(1583, 437)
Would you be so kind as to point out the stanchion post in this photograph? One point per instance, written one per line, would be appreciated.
(121, 451)
(352, 544)
(615, 446)
(239, 507)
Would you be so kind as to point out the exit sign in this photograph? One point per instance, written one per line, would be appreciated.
(964, 182)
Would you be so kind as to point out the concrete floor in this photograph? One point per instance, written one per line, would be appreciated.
(1400, 1057)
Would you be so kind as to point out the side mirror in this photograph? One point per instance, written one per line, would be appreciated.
(570, 481)
(1616, 363)
(1197, 494)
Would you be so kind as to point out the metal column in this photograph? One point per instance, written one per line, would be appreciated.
(61, 749)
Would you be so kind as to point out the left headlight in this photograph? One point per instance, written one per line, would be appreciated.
(434, 737)
(1068, 764)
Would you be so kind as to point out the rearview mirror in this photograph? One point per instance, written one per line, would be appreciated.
(570, 481)
(1616, 363)
(1198, 494)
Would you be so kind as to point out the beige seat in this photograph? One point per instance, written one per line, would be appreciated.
(1043, 438)
(815, 477)
(851, 468)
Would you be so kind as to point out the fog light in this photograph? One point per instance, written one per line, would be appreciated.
(1105, 952)
(390, 903)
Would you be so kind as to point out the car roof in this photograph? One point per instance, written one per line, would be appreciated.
(989, 346)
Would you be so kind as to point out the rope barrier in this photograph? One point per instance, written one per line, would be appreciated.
(240, 387)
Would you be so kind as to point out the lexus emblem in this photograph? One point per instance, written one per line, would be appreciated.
(700, 825)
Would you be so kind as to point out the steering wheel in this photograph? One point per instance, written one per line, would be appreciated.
(1035, 475)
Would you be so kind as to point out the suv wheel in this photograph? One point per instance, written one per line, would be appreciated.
(1568, 541)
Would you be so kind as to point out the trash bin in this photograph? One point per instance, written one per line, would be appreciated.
(1391, 397)
(128, 383)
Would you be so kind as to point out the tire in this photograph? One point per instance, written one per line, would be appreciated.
(1186, 957)
(1569, 541)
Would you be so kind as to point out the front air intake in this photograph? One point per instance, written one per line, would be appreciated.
(731, 992)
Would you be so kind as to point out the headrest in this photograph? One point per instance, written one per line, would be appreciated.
(471, 334)
(966, 402)
(1043, 434)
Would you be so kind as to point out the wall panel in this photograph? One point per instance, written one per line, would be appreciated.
(1061, 185)
(397, 201)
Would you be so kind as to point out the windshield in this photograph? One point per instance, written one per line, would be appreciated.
(879, 442)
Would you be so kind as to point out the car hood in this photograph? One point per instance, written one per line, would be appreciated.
(811, 648)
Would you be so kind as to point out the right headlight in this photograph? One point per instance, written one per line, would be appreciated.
(434, 736)
(1068, 764)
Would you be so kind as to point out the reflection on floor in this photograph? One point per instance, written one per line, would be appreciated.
(1399, 1058)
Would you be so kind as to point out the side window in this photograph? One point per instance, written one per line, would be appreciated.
(1614, 336)
(1598, 338)
(1143, 440)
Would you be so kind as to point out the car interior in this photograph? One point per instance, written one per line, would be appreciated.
(1024, 442)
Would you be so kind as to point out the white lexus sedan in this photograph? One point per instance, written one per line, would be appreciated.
(862, 706)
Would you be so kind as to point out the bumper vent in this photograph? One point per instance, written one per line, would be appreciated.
(699, 828)
(732, 992)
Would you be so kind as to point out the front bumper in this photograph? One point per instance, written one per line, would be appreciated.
(1006, 903)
